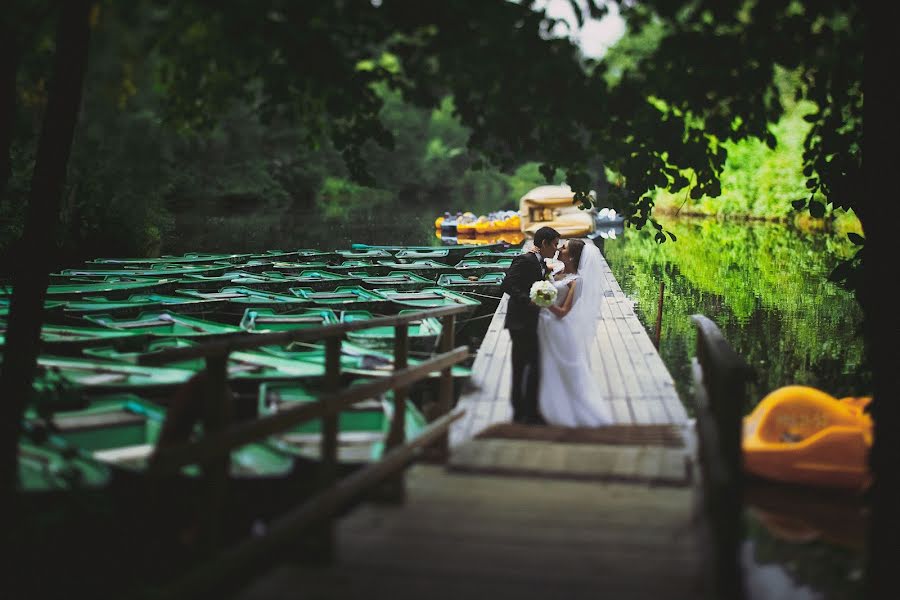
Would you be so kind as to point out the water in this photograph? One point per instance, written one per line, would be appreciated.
(258, 232)
(766, 287)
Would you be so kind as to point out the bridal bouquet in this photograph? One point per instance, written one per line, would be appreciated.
(542, 293)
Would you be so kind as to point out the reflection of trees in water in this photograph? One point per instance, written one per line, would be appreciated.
(818, 543)
(257, 232)
(765, 286)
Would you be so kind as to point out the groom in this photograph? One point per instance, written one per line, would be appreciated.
(521, 321)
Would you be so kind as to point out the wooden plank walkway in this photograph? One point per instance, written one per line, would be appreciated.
(632, 375)
(489, 537)
(534, 512)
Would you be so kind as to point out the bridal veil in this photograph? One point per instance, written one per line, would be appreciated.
(588, 299)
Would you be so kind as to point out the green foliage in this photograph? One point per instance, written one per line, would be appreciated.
(764, 286)
(757, 181)
(342, 200)
(337, 77)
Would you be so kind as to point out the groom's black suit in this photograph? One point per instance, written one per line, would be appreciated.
(521, 321)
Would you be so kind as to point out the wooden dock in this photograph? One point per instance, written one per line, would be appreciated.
(631, 373)
(534, 512)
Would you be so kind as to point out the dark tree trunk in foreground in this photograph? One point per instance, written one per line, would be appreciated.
(878, 214)
(9, 63)
(31, 273)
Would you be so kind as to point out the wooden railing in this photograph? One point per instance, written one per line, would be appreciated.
(222, 435)
(720, 378)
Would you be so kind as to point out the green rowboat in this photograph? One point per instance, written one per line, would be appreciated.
(456, 252)
(65, 339)
(245, 368)
(121, 289)
(355, 359)
(488, 253)
(441, 254)
(432, 297)
(123, 431)
(477, 266)
(360, 268)
(423, 334)
(308, 254)
(395, 280)
(52, 465)
(370, 254)
(187, 259)
(362, 429)
(323, 280)
(487, 284)
(428, 269)
(263, 320)
(350, 297)
(165, 324)
(162, 270)
(102, 376)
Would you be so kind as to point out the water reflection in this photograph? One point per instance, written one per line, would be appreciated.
(766, 287)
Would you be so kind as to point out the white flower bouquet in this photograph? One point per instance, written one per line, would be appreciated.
(542, 293)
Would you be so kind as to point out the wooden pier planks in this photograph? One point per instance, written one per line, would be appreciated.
(629, 370)
(481, 537)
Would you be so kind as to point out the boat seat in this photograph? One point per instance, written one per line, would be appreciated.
(98, 420)
(222, 295)
(289, 320)
(418, 296)
(144, 323)
(125, 454)
(344, 437)
(101, 378)
(328, 295)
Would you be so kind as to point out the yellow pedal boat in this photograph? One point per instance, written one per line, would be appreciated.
(802, 435)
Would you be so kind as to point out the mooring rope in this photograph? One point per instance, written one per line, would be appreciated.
(489, 315)
(483, 295)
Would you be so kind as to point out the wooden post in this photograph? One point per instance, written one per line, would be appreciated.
(720, 382)
(217, 415)
(659, 313)
(324, 550)
(393, 490)
(441, 448)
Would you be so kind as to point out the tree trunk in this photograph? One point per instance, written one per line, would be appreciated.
(9, 66)
(31, 274)
(882, 318)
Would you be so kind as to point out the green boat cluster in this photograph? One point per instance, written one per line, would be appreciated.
(98, 411)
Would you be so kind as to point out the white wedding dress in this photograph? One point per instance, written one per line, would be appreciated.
(568, 394)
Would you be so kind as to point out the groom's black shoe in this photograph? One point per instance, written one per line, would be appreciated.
(535, 420)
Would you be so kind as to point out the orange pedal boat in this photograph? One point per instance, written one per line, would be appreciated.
(802, 435)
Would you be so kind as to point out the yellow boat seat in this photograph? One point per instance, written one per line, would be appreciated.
(802, 435)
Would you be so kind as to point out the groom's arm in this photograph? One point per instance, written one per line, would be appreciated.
(519, 279)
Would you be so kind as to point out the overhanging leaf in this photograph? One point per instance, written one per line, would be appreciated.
(856, 238)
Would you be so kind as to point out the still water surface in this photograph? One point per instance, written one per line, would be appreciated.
(765, 286)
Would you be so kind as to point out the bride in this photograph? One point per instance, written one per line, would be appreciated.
(568, 393)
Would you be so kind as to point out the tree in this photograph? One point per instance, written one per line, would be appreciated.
(42, 218)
